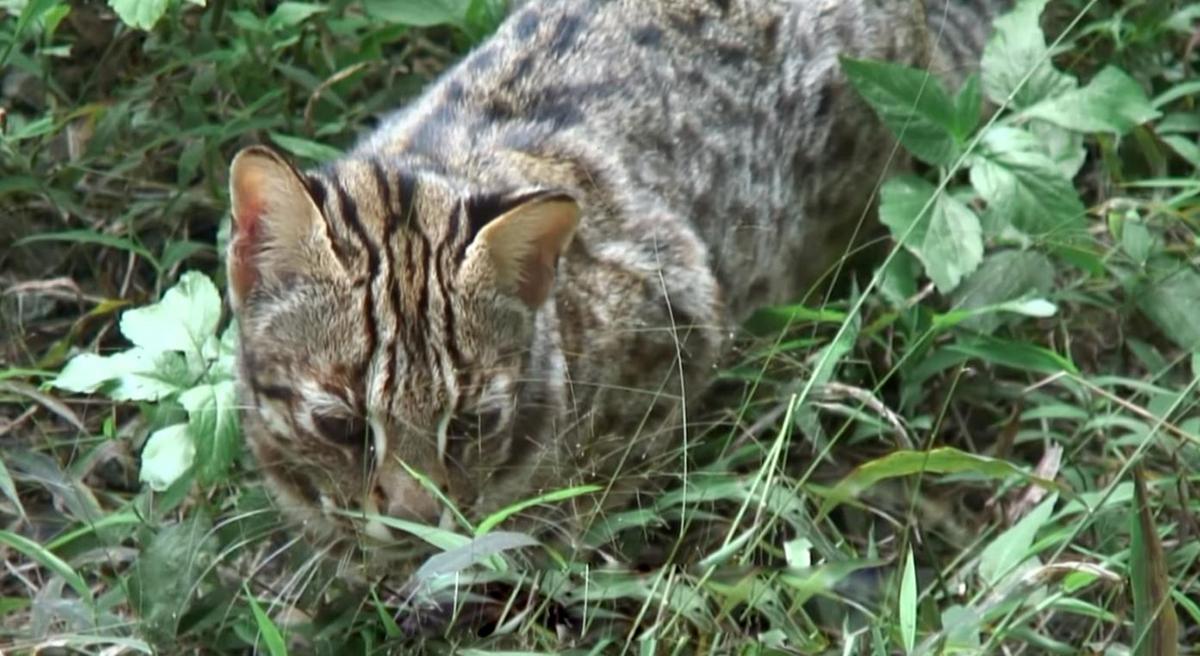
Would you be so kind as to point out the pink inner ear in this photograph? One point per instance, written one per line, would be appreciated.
(247, 214)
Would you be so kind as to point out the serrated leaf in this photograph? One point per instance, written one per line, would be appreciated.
(213, 427)
(912, 103)
(425, 13)
(947, 239)
(968, 107)
(1063, 147)
(1003, 276)
(1172, 302)
(1017, 48)
(185, 318)
(1024, 187)
(167, 573)
(134, 375)
(168, 454)
(1111, 102)
(142, 14)
(1011, 547)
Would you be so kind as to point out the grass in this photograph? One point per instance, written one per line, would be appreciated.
(989, 444)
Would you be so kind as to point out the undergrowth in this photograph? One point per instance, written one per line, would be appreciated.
(988, 444)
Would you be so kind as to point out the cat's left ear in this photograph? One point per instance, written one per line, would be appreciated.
(523, 244)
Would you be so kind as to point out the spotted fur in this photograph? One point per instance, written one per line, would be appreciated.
(517, 283)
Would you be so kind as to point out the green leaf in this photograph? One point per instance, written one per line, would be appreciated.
(1001, 557)
(949, 242)
(944, 460)
(91, 237)
(266, 628)
(184, 320)
(912, 103)
(142, 14)
(1003, 276)
(290, 14)
(968, 108)
(134, 375)
(908, 603)
(10, 490)
(168, 454)
(167, 574)
(480, 548)
(1018, 355)
(300, 147)
(961, 625)
(1172, 302)
(1024, 187)
(1111, 102)
(213, 427)
(1155, 623)
(1016, 49)
(425, 13)
(494, 520)
(48, 560)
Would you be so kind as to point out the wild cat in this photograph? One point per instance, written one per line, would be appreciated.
(518, 283)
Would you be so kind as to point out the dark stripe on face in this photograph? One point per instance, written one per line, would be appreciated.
(319, 194)
(444, 283)
(349, 214)
(390, 224)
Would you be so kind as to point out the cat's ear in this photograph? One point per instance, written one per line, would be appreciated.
(274, 216)
(525, 241)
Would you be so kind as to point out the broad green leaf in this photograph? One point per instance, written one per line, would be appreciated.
(1017, 49)
(301, 147)
(185, 318)
(425, 13)
(1111, 102)
(213, 427)
(270, 634)
(912, 103)
(944, 460)
(1064, 147)
(48, 560)
(898, 282)
(1155, 624)
(289, 14)
(968, 108)
(166, 575)
(478, 549)
(142, 14)
(961, 626)
(1172, 302)
(947, 238)
(1018, 355)
(1011, 548)
(168, 454)
(1003, 276)
(134, 375)
(1024, 187)
(908, 603)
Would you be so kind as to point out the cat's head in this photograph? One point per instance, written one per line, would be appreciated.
(386, 320)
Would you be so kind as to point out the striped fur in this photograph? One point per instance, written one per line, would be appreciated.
(518, 283)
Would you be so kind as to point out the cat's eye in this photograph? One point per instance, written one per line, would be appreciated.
(344, 429)
(472, 425)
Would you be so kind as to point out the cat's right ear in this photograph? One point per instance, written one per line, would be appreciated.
(274, 218)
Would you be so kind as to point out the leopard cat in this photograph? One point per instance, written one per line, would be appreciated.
(520, 282)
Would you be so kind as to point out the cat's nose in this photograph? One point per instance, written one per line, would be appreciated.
(404, 497)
